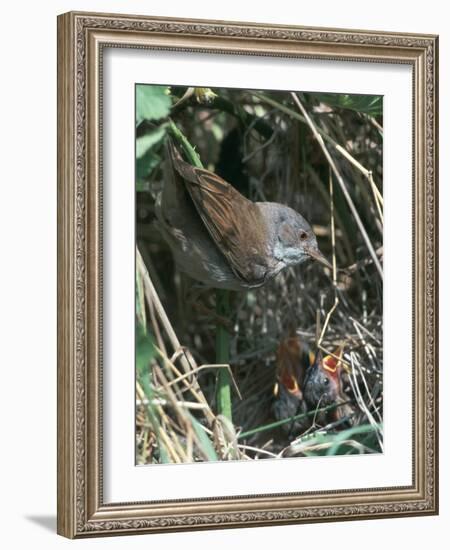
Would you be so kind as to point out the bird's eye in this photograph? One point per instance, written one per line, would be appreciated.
(303, 235)
(325, 381)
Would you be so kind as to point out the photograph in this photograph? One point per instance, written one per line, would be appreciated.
(259, 260)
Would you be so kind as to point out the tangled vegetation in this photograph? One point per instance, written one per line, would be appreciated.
(231, 382)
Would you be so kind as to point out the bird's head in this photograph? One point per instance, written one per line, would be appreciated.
(323, 380)
(295, 239)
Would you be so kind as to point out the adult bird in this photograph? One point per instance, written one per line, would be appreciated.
(221, 238)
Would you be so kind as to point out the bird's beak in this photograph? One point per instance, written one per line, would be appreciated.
(317, 255)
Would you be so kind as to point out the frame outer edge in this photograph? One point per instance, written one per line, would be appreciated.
(75, 206)
(435, 297)
(436, 267)
(66, 489)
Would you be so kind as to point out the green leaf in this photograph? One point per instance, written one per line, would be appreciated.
(350, 433)
(152, 102)
(369, 104)
(144, 166)
(140, 301)
(206, 444)
(145, 351)
(147, 141)
(146, 156)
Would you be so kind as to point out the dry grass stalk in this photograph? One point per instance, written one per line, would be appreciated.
(341, 182)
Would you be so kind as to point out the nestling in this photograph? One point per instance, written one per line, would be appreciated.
(292, 362)
(323, 387)
(221, 238)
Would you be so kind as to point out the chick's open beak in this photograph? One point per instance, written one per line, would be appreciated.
(317, 255)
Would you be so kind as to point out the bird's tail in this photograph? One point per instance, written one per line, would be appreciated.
(185, 169)
(173, 193)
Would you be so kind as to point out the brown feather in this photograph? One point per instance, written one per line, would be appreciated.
(229, 217)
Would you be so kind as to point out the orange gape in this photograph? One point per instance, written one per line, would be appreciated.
(330, 363)
(290, 365)
(323, 385)
(332, 368)
(307, 382)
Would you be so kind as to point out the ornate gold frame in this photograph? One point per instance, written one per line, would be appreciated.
(81, 37)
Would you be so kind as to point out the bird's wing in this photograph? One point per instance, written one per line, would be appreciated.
(235, 223)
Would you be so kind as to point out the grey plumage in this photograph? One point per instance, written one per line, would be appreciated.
(222, 239)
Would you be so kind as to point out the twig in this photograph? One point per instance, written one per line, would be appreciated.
(203, 367)
(362, 263)
(188, 386)
(362, 327)
(257, 450)
(361, 403)
(333, 247)
(152, 297)
(366, 173)
(341, 182)
(378, 197)
(372, 402)
(163, 402)
(181, 412)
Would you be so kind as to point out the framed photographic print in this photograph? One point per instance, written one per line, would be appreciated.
(247, 287)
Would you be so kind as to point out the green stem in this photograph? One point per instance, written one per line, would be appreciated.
(191, 153)
(290, 419)
(223, 392)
